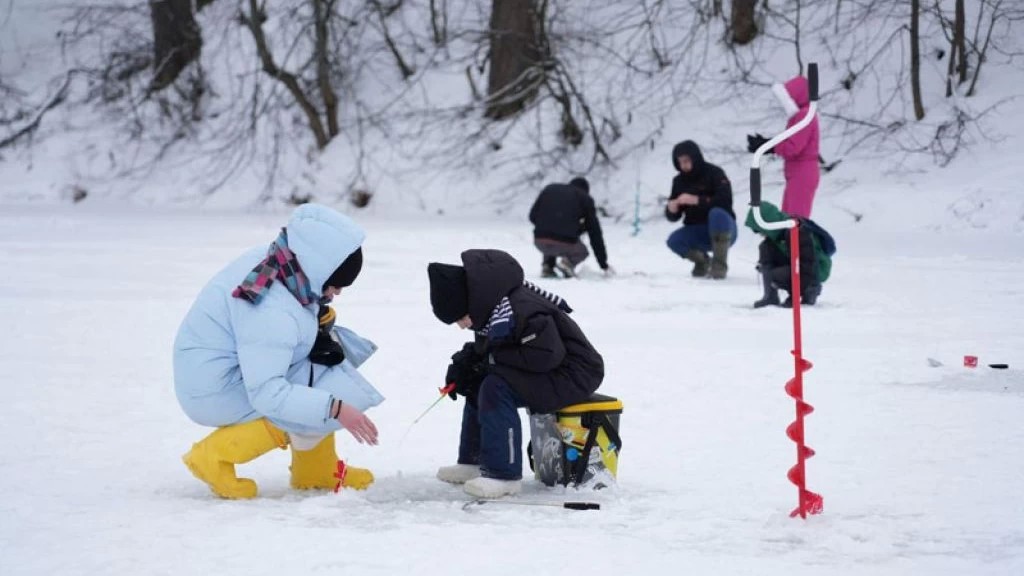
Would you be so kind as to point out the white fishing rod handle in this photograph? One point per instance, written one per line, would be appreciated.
(755, 163)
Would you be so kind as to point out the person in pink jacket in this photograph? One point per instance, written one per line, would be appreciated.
(799, 151)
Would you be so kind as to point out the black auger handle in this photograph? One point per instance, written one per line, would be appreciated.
(755, 186)
(812, 80)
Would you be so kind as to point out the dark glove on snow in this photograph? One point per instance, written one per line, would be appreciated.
(756, 141)
(466, 371)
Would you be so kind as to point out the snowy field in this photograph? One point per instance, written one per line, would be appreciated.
(921, 467)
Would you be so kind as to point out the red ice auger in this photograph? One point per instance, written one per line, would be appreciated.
(809, 502)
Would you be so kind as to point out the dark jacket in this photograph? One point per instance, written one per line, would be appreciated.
(705, 180)
(563, 212)
(546, 359)
(816, 245)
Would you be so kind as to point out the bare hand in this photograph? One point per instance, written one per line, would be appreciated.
(688, 199)
(358, 425)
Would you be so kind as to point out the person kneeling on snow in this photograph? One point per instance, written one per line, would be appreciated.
(702, 193)
(527, 352)
(259, 358)
(560, 215)
(816, 250)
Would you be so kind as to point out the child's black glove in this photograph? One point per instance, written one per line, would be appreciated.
(756, 141)
(466, 371)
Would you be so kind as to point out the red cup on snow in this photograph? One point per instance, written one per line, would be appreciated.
(970, 361)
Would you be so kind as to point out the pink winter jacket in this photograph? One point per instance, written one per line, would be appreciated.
(800, 151)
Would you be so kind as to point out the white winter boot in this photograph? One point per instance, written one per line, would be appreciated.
(458, 473)
(492, 487)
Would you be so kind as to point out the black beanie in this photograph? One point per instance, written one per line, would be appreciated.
(449, 294)
(346, 274)
(581, 183)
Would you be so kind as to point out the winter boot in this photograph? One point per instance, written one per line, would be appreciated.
(492, 487)
(458, 473)
(213, 458)
(771, 295)
(719, 254)
(810, 295)
(315, 469)
(547, 267)
(565, 267)
(700, 263)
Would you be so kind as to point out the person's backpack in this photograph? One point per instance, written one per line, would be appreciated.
(825, 240)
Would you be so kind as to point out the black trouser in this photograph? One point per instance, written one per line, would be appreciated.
(776, 262)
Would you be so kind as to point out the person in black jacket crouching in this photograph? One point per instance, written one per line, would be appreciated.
(527, 352)
(560, 215)
(702, 196)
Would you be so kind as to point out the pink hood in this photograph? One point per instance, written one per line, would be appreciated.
(794, 95)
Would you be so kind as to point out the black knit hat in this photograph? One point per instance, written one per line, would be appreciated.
(347, 272)
(449, 295)
(581, 183)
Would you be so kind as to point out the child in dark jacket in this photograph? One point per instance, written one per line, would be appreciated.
(527, 352)
(816, 250)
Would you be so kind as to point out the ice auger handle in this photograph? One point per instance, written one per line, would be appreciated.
(755, 162)
(755, 186)
(812, 80)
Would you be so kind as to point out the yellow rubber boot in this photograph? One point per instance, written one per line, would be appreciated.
(213, 458)
(316, 468)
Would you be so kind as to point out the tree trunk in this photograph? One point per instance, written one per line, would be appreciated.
(322, 10)
(439, 22)
(516, 69)
(743, 24)
(915, 57)
(176, 39)
(960, 40)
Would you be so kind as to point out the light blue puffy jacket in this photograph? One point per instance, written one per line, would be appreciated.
(235, 361)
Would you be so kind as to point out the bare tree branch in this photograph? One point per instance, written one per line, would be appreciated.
(254, 21)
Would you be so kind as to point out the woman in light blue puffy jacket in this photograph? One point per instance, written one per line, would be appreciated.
(258, 357)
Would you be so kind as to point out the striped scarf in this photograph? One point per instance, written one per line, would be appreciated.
(502, 322)
(279, 264)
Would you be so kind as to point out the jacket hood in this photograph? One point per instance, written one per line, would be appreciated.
(770, 213)
(691, 149)
(490, 276)
(794, 95)
(322, 238)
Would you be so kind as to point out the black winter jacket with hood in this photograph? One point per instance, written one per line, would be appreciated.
(707, 181)
(546, 359)
(563, 212)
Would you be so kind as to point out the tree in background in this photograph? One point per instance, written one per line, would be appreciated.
(915, 57)
(177, 41)
(223, 86)
(743, 22)
(516, 63)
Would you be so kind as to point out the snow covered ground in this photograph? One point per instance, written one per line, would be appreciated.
(921, 467)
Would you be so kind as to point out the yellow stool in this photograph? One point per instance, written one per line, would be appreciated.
(578, 444)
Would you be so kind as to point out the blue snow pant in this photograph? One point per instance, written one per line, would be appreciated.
(492, 434)
(698, 236)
